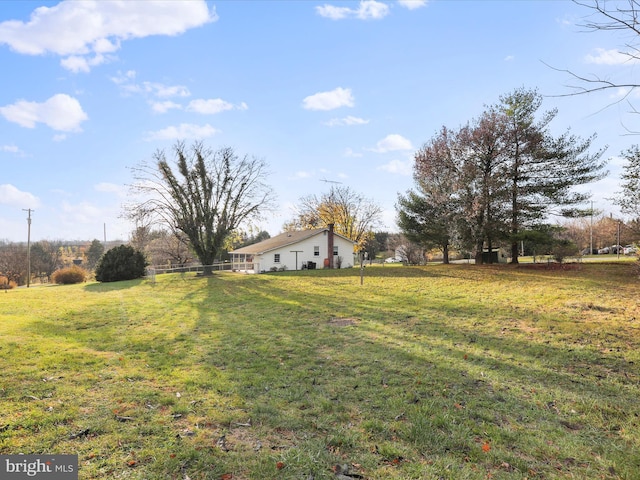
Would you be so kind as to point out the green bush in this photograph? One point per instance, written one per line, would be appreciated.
(563, 249)
(69, 275)
(121, 263)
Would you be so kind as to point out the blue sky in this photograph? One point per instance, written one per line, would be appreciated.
(322, 90)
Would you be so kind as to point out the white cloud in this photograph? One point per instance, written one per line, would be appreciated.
(339, 97)
(182, 132)
(60, 112)
(76, 64)
(83, 32)
(126, 77)
(301, 174)
(392, 143)
(412, 4)
(367, 10)
(164, 107)
(348, 152)
(624, 93)
(161, 90)
(126, 81)
(398, 166)
(10, 149)
(346, 121)
(10, 195)
(609, 57)
(107, 187)
(83, 212)
(334, 13)
(372, 10)
(213, 106)
(509, 58)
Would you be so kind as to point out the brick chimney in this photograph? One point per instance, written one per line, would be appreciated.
(330, 245)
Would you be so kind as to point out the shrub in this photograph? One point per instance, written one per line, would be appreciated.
(563, 249)
(6, 284)
(69, 275)
(121, 263)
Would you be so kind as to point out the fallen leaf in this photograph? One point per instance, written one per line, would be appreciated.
(226, 476)
(280, 465)
(507, 466)
(486, 447)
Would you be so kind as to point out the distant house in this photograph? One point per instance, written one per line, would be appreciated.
(298, 250)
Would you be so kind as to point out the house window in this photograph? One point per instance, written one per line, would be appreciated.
(335, 250)
(316, 251)
(276, 258)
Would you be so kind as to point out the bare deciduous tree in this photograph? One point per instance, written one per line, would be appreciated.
(203, 194)
(352, 215)
(46, 257)
(13, 262)
(610, 16)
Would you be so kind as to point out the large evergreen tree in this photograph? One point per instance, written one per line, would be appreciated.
(543, 170)
(628, 199)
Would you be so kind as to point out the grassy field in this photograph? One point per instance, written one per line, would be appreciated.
(437, 372)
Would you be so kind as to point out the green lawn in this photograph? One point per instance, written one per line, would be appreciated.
(453, 372)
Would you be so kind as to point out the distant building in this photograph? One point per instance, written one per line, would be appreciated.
(298, 250)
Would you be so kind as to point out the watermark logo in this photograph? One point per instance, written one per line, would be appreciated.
(45, 467)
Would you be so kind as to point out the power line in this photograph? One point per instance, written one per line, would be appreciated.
(329, 181)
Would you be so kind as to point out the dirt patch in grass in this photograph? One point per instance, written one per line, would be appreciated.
(343, 322)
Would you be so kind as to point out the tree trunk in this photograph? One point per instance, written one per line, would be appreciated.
(514, 253)
(207, 270)
(479, 253)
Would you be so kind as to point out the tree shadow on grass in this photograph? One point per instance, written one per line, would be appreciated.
(411, 371)
(508, 380)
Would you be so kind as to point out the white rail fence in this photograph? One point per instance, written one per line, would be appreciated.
(244, 267)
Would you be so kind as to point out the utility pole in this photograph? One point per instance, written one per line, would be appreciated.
(28, 245)
(363, 256)
(591, 231)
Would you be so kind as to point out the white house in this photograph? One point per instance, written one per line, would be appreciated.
(317, 248)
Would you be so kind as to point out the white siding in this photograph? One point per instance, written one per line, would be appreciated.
(305, 250)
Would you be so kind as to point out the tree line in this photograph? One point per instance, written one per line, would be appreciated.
(497, 179)
(46, 257)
